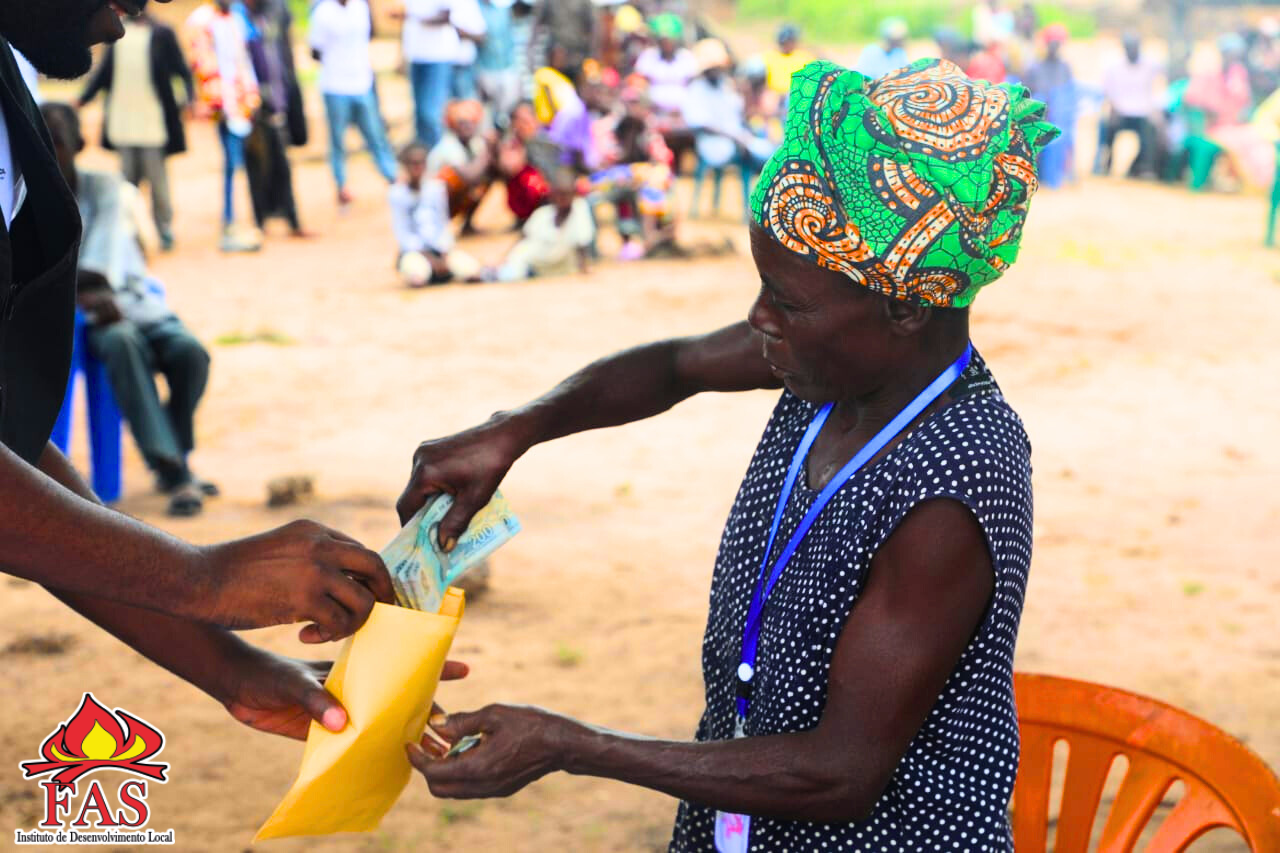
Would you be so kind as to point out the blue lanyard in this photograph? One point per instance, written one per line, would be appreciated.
(769, 579)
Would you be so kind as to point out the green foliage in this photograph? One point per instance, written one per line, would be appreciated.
(838, 21)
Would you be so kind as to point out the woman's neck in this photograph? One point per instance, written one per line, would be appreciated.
(864, 415)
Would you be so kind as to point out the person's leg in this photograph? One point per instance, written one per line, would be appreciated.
(232, 162)
(338, 110)
(123, 349)
(462, 83)
(438, 77)
(184, 362)
(375, 135)
(1144, 165)
(1106, 138)
(156, 170)
(418, 76)
(131, 164)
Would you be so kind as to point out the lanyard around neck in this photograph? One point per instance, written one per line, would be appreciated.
(769, 579)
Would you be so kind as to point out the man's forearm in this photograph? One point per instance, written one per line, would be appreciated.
(57, 536)
(193, 651)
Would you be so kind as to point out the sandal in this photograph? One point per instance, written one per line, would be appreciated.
(187, 501)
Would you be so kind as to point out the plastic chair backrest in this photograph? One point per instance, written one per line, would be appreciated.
(104, 419)
(1227, 785)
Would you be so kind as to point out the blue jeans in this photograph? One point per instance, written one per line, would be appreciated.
(232, 162)
(431, 82)
(462, 83)
(362, 110)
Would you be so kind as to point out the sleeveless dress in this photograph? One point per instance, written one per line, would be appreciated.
(951, 789)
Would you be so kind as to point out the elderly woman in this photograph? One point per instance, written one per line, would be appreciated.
(859, 649)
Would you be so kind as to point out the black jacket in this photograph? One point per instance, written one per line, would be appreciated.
(167, 62)
(37, 278)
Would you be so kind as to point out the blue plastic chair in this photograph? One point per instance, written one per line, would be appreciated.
(104, 417)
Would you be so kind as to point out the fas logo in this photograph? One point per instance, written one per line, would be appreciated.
(84, 803)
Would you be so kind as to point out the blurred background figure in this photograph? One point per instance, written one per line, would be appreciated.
(469, 22)
(714, 112)
(669, 66)
(993, 23)
(497, 74)
(142, 116)
(281, 121)
(952, 46)
(462, 159)
(1132, 95)
(132, 331)
(1223, 93)
(340, 33)
(419, 206)
(1264, 58)
(227, 92)
(889, 54)
(1052, 82)
(556, 239)
(786, 59)
(986, 61)
(429, 46)
(568, 25)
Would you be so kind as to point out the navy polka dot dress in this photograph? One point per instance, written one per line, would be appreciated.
(951, 789)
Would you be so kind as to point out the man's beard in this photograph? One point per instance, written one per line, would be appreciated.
(56, 43)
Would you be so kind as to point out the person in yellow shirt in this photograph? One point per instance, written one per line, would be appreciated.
(789, 58)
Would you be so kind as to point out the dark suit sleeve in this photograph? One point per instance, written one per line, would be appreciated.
(101, 77)
(175, 63)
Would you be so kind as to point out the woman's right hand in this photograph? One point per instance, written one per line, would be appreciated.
(469, 466)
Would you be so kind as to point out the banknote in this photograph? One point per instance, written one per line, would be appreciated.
(420, 568)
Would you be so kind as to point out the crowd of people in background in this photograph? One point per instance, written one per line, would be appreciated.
(508, 94)
(580, 112)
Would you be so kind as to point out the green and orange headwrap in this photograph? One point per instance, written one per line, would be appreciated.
(915, 185)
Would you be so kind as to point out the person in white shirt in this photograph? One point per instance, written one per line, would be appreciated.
(1132, 92)
(420, 220)
(714, 110)
(556, 238)
(340, 34)
(430, 46)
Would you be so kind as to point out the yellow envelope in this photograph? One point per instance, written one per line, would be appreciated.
(386, 677)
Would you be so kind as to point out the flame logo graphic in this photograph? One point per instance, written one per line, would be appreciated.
(94, 738)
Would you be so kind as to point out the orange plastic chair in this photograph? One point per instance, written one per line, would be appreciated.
(1227, 785)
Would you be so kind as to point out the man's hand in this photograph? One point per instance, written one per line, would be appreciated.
(99, 306)
(302, 572)
(469, 466)
(281, 696)
(519, 746)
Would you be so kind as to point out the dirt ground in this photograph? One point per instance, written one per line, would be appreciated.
(1135, 337)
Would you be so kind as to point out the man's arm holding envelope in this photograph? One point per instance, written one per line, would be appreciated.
(265, 691)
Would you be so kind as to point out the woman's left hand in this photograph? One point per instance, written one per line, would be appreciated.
(519, 745)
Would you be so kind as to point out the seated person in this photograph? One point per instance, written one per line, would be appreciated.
(133, 331)
(462, 160)
(519, 153)
(567, 120)
(420, 220)
(556, 237)
(639, 185)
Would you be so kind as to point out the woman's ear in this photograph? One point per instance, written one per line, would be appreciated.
(905, 318)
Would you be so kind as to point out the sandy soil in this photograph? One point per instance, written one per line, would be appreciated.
(1132, 337)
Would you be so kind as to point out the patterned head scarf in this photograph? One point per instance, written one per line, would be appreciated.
(915, 185)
